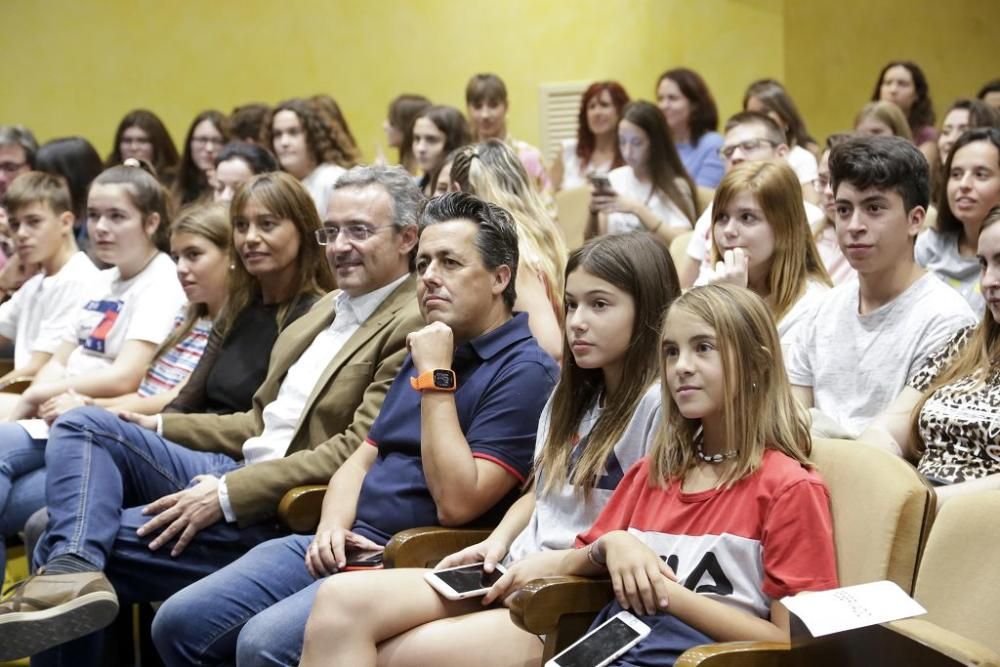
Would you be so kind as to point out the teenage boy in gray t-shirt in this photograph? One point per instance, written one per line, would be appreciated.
(871, 334)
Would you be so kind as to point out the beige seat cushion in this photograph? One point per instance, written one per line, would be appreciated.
(959, 581)
(573, 210)
(881, 511)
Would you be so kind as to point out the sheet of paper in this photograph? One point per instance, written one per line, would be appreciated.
(852, 607)
(36, 428)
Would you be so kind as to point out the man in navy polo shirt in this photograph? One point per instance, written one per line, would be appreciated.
(452, 445)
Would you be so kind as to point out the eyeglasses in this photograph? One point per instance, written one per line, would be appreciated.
(726, 152)
(204, 141)
(355, 232)
(12, 167)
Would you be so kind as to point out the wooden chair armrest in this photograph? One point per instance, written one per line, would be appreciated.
(744, 654)
(300, 508)
(424, 547)
(16, 385)
(539, 606)
(945, 642)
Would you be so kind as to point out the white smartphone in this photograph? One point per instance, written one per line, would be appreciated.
(604, 643)
(464, 581)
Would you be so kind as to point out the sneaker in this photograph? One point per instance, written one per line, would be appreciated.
(49, 609)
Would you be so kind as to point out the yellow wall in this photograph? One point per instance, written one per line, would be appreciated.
(836, 50)
(83, 65)
(80, 66)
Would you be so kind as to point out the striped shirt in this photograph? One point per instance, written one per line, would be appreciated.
(175, 365)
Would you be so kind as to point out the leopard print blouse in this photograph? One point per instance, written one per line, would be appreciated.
(960, 422)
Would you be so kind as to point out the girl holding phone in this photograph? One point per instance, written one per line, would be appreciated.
(652, 190)
(595, 149)
(763, 241)
(598, 423)
(725, 516)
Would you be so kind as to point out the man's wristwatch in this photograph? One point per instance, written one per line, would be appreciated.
(439, 379)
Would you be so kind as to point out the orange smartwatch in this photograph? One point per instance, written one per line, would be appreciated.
(439, 379)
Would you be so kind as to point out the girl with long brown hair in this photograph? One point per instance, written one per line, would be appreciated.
(598, 423)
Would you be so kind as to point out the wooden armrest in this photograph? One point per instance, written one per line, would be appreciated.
(424, 547)
(16, 385)
(748, 654)
(539, 606)
(946, 642)
(300, 508)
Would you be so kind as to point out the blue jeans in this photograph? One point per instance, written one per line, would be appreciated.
(669, 637)
(101, 470)
(22, 481)
(252, 612)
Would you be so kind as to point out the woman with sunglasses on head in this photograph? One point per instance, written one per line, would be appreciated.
(278, 272)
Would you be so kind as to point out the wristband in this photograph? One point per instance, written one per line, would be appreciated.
(439, 379)
(592, 557)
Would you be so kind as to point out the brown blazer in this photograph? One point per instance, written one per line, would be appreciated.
(338, 413)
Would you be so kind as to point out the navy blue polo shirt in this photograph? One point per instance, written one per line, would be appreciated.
(504, 379)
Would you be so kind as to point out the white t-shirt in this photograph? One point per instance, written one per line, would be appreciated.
(319, 183)
(939, 254)
(38, 315)
(803, 163)
(140, 308)
(574, 176)
(857, 364)
(800, 313)
(624, 182)
(561, 515)
(699, 245)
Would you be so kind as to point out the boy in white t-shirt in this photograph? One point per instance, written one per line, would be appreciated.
(872, 333)
(37, 316)
(749, 136)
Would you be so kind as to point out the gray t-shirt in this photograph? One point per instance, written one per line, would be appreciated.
(938, 253)
(857, 364)
(561, 515)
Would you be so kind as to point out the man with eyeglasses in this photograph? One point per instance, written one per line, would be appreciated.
(17, 156)
(141, 508)
(750, 136)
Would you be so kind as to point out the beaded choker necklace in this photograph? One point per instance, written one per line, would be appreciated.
(715, 458)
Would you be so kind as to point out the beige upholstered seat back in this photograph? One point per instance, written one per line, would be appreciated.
(704, 198)
(959, 580)
(572, 212)
(678, 248)
(881, 511)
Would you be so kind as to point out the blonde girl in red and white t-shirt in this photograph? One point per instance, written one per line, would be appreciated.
(725, 516)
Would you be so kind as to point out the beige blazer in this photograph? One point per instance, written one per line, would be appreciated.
(338, 413)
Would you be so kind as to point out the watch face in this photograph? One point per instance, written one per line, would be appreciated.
(444, 380)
